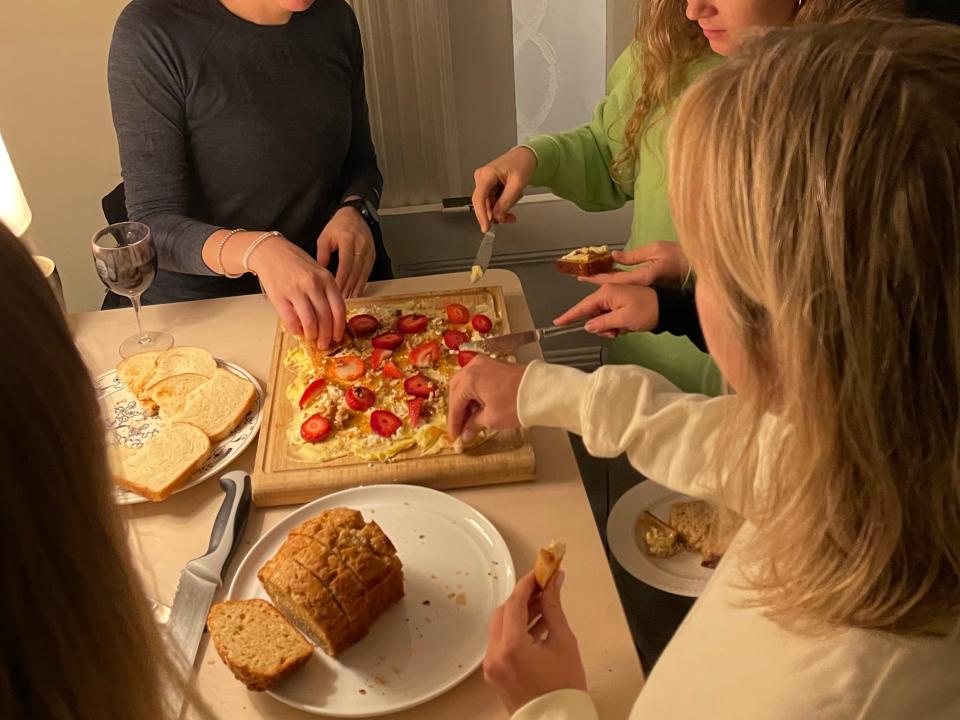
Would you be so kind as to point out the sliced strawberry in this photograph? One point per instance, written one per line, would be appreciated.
(419, 386)
(388, 341)
(384, 423)
(413, 323)
(458, 314)
(482, 324)
(426, 354)
(413, 411)
(465, 356)
(392, 371)
(349, 367)
(360, 398)
(363, 325)
(454, 339)
(311, 391)
(315, 428)
(378, 356)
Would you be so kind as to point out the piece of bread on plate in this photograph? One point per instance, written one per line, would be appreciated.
(723, 527)
(170, 393)
(586, 261)
(217, 406)
(692, 519)
(164, 462)
(136, 372)
(181, 360)
(548, 562)
(256, 642)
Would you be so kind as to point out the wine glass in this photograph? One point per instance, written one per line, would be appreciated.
(126, 262)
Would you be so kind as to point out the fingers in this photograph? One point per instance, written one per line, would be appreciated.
(324, 249)
(346, 244)
(368, 263)
(512, 191)
(485, 181)
(552, 612)
(458, 401)
(635, 256)
(321, 309)
(593, 304)
(496, 626)
(338, 311)
(640, 276)
(610, 322)
(288, 316)
(303, 306)
(358, 274)
(516, 617)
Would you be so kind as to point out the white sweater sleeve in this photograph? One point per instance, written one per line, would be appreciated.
(559, 705)
(668, 435)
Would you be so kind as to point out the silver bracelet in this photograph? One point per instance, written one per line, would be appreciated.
(254, 245)
(223, 242)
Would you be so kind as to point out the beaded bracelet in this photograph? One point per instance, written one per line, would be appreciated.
(220, 253)
(254, 245)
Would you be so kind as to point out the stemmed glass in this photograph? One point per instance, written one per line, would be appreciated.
(126, 262)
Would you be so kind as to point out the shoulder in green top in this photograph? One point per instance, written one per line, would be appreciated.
(576, 166)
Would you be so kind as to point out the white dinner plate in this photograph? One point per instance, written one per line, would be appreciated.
(682, 574)
(127, 424)
(457, 570)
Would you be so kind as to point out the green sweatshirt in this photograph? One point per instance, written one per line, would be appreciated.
(576, 165)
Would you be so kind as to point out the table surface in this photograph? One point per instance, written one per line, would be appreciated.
(165, 536)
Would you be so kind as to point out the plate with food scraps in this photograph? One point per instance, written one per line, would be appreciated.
(681, 574)
(457, 570)
(127, 423)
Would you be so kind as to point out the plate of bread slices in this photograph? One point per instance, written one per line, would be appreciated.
(365, 602)
(174, 419)
(668, 540)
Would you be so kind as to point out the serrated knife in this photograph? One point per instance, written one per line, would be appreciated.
(509, 343)
(202, 576)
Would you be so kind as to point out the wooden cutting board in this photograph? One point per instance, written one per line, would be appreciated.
(280, 478)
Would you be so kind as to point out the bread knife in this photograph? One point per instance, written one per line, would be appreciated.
(509, 343)
(200, 579)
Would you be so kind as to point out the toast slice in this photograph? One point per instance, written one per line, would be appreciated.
(164, 462)
(585, 261)
(548, 562)
(180, 360)
(256, 642)
(136, 372)
(307, 602)
(723, 528)
(170, 393)
(692, 519)
(217, 406)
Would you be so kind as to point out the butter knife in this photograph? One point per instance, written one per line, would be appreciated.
(509, 343)
(202, 576)
(482, 261)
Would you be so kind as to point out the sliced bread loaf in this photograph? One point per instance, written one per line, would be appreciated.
(256, 642)
(217, 406)
(164, 462)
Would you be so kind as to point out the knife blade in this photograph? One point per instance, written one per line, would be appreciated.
(509, 343)
(484, 253)
(202, 576)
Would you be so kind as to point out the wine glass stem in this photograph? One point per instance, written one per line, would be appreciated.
(135, 300)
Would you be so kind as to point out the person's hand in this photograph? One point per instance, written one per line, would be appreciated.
(483, 394)
(507, 175)
(348, 234)
(304, 294)
(522, 662)
(614, 309)
(661, 263)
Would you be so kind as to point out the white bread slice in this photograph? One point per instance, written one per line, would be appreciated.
(256, 642)
(548, 562)
(217, 406)
(164, 463)
(170, 393)
(136, 372)
(692, 520)
(181, 360)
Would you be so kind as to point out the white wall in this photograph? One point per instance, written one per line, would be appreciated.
(55, 120)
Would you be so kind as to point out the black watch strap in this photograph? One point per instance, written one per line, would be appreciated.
(365, 208)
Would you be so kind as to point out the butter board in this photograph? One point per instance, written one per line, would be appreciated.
(280, 478)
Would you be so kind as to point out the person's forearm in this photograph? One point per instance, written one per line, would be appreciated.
(233, 250)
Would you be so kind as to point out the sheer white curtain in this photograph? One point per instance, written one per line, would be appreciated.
(411, 93)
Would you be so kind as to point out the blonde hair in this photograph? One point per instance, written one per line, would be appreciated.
(815, 180)
(667, 45)
(79, 640)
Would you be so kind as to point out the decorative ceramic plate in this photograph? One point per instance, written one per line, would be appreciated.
(682, 574)
(127, 424)
(457, 570)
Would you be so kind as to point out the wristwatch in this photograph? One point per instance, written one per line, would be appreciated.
(365, 208)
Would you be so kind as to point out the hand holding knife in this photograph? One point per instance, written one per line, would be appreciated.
(508, 343)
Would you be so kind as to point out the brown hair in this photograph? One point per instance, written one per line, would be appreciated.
(78, 638)
(824, 207)
(667, 45)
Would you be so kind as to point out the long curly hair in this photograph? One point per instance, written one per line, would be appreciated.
(667, 45)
